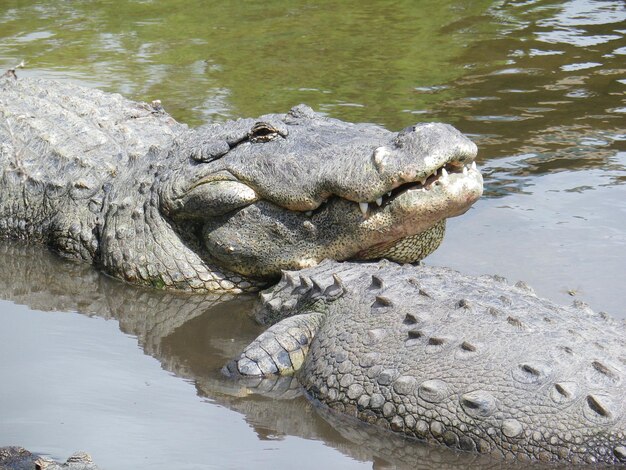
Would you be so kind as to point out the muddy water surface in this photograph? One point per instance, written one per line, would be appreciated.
(132, 375)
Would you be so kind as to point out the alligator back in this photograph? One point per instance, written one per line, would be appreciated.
(62, 146)
(473, 363)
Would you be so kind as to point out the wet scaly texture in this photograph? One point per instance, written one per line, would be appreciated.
(471, 363)
(226, 206)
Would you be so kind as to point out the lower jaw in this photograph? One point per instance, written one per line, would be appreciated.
(409, 249)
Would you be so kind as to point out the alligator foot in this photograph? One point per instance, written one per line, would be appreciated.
(279, 350)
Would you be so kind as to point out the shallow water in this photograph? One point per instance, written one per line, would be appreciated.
(539, 85)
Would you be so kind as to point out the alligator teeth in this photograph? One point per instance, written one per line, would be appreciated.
(465, 171)
(379, 201)
(444, 174)
(363, 206)
(309, 213)
(389, 193)
(423, 181)
(474, 166)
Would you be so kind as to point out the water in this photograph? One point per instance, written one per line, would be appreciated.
(539, 85)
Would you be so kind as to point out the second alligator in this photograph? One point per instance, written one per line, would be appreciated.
(471, 363)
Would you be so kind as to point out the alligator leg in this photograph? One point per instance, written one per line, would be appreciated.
(281, 349)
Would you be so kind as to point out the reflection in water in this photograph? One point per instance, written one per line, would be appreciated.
(552, 99)
(246, 60)
(193, 336)
(539, 85)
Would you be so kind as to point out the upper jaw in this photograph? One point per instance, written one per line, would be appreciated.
(449, 174)
(413, 158)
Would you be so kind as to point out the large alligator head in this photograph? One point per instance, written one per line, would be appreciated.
(287, 191)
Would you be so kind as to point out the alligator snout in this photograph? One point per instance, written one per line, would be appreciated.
(419, 150)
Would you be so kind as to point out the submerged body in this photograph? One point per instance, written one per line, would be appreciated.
(18, 458)
(471, 363)
(223, 207)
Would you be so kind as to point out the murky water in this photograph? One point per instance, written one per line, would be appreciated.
(539, 85)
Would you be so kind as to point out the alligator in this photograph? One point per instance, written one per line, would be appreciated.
(18, 458)
(225, 206)
(472, 363)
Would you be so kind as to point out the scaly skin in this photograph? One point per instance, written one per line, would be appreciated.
(223, 207)
(471, 363)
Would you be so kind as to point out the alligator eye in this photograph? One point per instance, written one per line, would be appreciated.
(262, 132)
